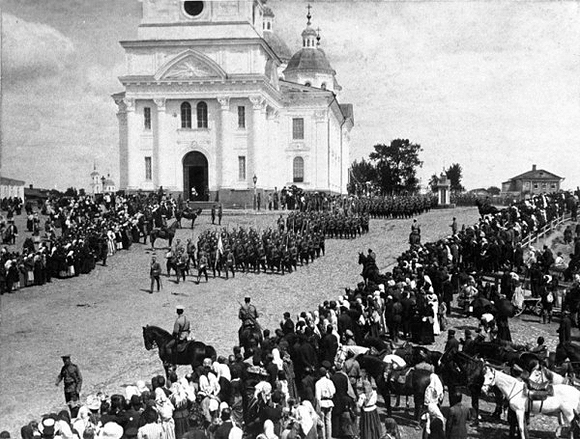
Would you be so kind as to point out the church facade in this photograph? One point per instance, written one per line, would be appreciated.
(216, 107)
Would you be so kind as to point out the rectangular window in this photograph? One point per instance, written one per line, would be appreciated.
(147, 168)
(147, 118)
(298, 128)
(241, 167)
(241, 117)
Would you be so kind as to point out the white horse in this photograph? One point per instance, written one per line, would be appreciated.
(564, 404)
(344, 350)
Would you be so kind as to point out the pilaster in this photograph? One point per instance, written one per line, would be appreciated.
(123, 145)
(224, 148)
(131, 142)
(257, 153)
(159, 141)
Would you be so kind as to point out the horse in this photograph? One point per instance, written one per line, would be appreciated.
(250, 336)
(485, 208)
(569, 351)
(414, 355)
(163, 233)
(189, 214)
(564, 403)
(459, 370)
(370, 270)
(193, 353)
(414, 385)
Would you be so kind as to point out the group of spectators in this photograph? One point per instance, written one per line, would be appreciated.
(290, 385)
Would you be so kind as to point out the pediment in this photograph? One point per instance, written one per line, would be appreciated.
(190, 65)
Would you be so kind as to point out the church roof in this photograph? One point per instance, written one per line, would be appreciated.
(278, 45)
(309, 59)
(109, 182)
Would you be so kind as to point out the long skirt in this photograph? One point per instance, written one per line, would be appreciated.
(370, 425)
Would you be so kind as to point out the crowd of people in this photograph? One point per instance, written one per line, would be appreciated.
(293, 384)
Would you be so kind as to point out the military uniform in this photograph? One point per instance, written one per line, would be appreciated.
(70, 374)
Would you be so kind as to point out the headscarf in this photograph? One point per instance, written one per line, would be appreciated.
(269, 430)
(277, 360)
(304, 415)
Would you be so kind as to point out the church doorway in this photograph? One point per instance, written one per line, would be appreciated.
(195, 177)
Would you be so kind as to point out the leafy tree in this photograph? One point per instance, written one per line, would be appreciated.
(70, 192)
(396, 166)
(455, 174)
(433, 183)
(494, 190)
(361, 173)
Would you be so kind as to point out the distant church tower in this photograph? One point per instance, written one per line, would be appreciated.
(96, 184)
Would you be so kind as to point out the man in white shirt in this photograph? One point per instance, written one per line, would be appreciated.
(324, 392)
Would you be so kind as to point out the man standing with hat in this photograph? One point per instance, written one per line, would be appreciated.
(452, 345)
(565, 329)
(181, 328)
(468, 341)
(73, 381)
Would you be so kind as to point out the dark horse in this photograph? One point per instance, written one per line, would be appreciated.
(193, 353)
(485, 207)
(460, 370)
(190, 214)
(370, 270)
(250, 337)
(163, 233)
(415, 385)
(568, 351)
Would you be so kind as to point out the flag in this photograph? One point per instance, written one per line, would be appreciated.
(220, 246)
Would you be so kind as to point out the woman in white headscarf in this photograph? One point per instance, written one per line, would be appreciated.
(308, 420)
(277, 359)
(433, 397)
(82, 421)
(433, 302)
(268, 431)
(165, 408)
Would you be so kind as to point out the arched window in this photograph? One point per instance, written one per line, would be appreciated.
(298, 170)
(269, 25)
(185, 115)
(202, 115)
(323, 86)
(307, 84)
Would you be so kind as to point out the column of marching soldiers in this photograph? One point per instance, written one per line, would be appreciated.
(297, 240)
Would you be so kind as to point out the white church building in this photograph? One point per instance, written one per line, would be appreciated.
(215, 105)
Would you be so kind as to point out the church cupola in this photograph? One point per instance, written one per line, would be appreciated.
(309, 35)
(309, 66)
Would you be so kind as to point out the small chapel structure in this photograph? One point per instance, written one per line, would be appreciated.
(216, 106)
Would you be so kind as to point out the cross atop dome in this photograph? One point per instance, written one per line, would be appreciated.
(309, 35)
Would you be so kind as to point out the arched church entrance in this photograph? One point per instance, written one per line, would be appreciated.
(195, 177)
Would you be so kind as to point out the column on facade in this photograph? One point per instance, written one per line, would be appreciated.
(123, 163)
(257, 152)
(158, 142)
(224, 147)
(321, 171)
(131, 143)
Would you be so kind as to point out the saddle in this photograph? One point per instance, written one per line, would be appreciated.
(179, 347)
(402, 377)
(540, 391)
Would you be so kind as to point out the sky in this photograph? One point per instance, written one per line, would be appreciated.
(491, 85)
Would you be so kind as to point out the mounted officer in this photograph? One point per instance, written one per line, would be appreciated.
(248, 314)
(181, 329)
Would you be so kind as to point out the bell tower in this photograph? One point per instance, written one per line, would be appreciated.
(196, 19)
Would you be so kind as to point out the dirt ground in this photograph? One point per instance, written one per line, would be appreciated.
(97, 318)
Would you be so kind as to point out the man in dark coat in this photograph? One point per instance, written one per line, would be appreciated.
(328, 346)
(565, 329)
(287, 324)
(456, 427)
(344, 321)
(452, 345)
(343, 398)
(223, 431)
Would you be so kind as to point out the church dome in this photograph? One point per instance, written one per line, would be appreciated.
(309, 60)
(278, 46)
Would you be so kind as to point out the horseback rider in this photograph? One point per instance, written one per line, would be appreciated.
(181, 328)
(248, 314)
